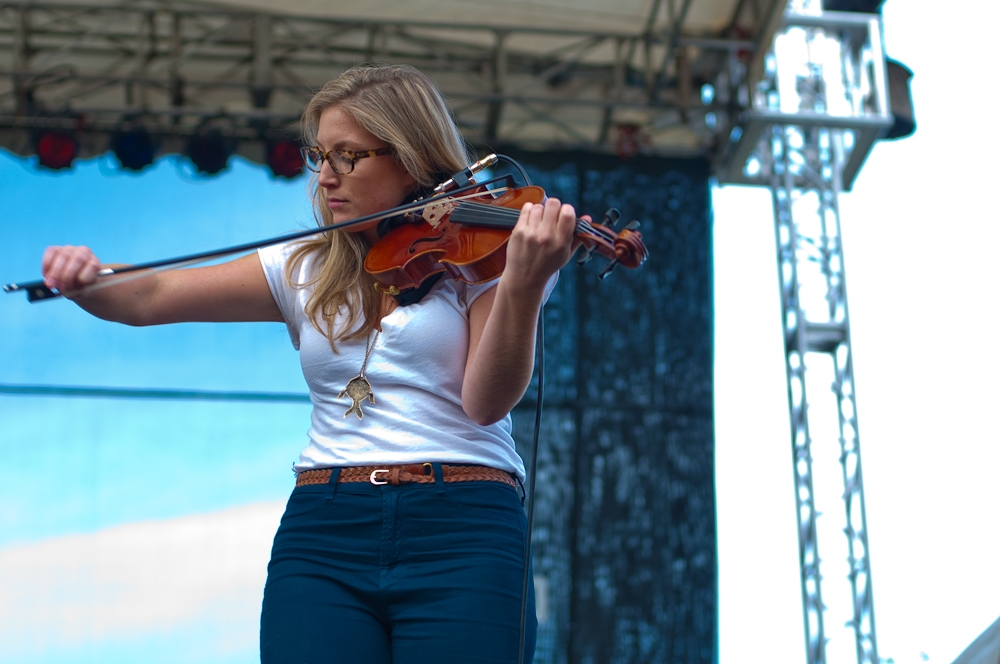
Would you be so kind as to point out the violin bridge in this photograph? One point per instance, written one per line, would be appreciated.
(436, 212)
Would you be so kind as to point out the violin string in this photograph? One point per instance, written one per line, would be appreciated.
(466, 197)
(492, 216)
(494, 213)
(497, 212)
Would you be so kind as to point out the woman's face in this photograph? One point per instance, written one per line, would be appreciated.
(376, 183)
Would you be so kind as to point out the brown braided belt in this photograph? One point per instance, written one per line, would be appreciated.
(413, 473)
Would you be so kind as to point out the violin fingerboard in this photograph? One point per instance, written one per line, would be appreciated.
(484, 215)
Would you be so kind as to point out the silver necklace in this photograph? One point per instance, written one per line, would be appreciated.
(358, 388)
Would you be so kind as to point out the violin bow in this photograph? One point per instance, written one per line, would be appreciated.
(37, 291)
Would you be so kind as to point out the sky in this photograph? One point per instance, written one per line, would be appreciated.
(919, 234)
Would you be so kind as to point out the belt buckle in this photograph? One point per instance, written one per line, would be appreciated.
(371, 478)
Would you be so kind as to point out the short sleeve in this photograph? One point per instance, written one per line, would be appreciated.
(474, 291)
(273, 260)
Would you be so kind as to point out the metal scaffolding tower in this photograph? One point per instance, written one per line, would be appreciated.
(816, 109)
(810, 257)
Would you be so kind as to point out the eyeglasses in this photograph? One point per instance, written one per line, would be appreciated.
(341, 161)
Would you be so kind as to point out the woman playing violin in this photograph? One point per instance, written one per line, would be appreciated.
(403, 540)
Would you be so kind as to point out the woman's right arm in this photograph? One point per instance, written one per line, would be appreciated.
(229, 292)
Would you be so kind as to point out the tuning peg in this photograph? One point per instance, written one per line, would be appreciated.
(585, 255)
(632, 225)
(607, 270)
(611, 217)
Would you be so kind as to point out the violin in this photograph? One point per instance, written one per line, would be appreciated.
(452, 230)
(468, 238)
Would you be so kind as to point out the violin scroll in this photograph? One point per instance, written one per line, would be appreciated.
(623, 248)
(629, 249)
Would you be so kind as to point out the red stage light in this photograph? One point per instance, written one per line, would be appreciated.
(285, 159)
(56, 150)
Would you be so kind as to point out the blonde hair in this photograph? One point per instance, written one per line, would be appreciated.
(404, 109)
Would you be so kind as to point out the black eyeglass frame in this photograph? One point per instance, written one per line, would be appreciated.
(327, 156)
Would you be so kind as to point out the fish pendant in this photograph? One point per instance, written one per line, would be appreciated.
(358, 389)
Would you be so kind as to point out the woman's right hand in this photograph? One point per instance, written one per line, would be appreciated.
(69, 268)
(233, 291)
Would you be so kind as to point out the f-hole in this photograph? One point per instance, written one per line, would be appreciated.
(413, 247)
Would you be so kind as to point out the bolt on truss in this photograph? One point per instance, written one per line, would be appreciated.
(805, 166)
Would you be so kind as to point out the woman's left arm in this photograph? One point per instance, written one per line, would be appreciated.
(502, 320)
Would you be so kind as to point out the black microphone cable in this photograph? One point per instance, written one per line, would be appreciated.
(540, 343)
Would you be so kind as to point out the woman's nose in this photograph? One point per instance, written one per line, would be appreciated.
(327, 176)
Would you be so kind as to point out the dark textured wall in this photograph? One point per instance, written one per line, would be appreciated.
(624, 534)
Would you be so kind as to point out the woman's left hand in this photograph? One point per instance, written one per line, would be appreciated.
(502, 320)
(540, 244)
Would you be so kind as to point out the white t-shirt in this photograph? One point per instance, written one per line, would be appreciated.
(416, 369)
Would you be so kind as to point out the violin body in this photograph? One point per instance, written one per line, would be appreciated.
(470, 252)
(468, 237)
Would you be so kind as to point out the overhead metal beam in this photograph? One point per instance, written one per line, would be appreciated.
(498, 81)
(767, 24)
(675, 29)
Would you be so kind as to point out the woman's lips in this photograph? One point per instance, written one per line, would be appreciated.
(335, 203)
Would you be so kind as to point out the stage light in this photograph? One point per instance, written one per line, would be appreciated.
(900, 99)
(135, 149)
(631, 139)
(285, 159)
(209, 152)
(56, 150)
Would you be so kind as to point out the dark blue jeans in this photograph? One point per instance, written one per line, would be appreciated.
(417, 573)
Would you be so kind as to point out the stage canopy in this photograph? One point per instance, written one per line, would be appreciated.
(628, 77)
